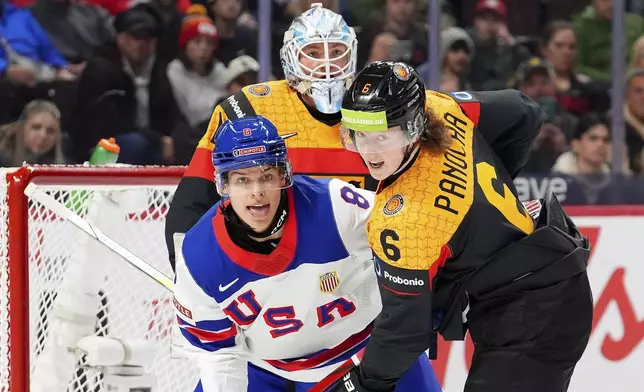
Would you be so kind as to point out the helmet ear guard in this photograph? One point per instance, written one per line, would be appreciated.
(417, 125)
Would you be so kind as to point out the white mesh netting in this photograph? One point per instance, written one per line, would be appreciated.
(65, 263)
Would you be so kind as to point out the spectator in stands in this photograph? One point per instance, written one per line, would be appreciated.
(497, 54)
(197, 78)
(547, 147)
(456, 52)
(77, 29)
(26, 54)
(29, 63)
(588, 165)
(637, 56)
(634, 119)
(594, 25)
(34, 138)
(590, 148)
(241, 72)
(400, 37)
(115, 7)
(234, 39)
(172, 17)
(297, 7)
(576, 93)
(535, 78)
(126, 94)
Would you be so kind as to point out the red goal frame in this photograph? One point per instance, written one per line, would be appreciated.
(18, 239)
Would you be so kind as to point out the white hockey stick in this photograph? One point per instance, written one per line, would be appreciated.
(59, 209)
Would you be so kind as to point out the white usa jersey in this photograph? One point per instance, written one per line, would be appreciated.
(300, 311)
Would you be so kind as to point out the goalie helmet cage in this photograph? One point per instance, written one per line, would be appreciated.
(37, 249)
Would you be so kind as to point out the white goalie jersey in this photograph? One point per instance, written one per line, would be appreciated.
(299, 312)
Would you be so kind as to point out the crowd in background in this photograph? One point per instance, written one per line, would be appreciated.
(150, 72)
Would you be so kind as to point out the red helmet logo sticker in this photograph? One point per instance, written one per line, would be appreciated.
(249, 151)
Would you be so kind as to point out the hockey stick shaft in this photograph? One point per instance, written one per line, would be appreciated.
(337, 374)
(59, 209)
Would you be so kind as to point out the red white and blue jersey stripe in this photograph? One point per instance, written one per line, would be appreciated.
(298, 312)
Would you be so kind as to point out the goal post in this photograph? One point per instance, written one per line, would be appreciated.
(47, 264)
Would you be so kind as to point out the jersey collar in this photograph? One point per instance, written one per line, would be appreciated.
(269, 265)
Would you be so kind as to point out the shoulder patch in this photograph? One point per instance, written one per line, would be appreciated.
(259, 90)
(329, 282)
(393, 205)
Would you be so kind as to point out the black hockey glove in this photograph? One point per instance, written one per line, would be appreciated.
(351, 382)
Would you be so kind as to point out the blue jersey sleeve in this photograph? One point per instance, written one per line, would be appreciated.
(211, 338)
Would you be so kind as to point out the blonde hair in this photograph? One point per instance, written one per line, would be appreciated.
(637, 53)
(12, 138)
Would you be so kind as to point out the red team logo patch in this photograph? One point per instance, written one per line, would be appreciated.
(249, 151)
(393, 205)
(247, 132)
(329, 282)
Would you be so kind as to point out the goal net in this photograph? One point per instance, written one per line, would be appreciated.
(57, 284)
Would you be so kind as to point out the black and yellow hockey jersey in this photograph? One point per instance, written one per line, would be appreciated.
(443, 217)
(316, 150)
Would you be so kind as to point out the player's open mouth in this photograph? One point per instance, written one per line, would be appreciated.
(376, 165)
(259, 210)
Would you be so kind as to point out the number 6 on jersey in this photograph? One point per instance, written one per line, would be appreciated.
(388, 248)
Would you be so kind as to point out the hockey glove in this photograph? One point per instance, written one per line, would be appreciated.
(351, 382)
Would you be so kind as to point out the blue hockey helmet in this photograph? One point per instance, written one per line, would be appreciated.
(246, 143)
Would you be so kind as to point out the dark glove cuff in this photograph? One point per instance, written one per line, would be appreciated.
(373, 385)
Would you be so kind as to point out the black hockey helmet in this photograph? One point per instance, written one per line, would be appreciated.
(384, 95)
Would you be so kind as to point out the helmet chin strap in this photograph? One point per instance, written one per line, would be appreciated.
(303, 87)
(410, 153)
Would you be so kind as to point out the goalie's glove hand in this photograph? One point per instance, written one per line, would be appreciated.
(352, 382)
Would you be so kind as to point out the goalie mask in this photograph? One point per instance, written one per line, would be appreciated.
(319, 57)
(250, 157)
